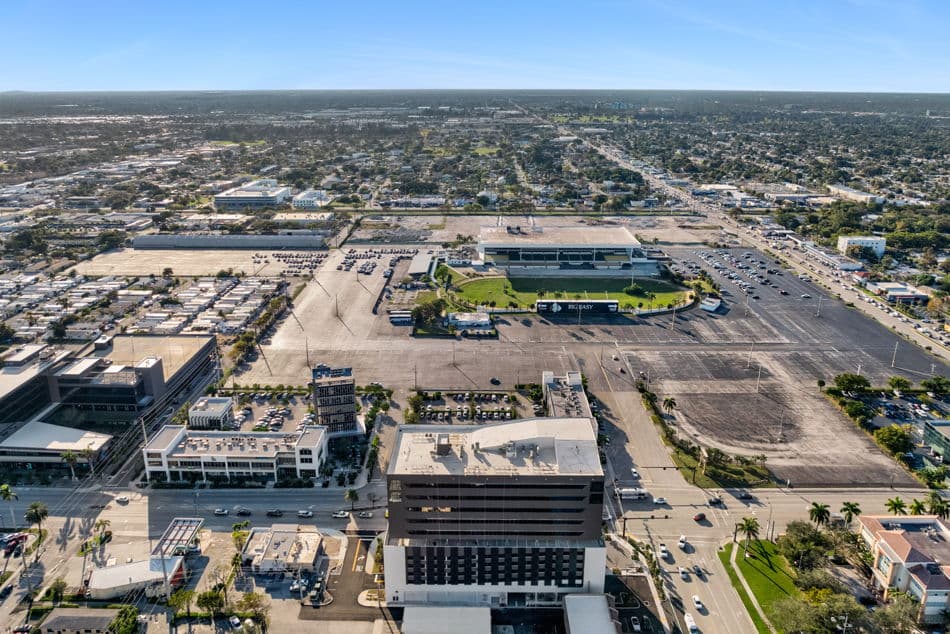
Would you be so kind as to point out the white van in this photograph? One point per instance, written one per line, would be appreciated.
(690, 623)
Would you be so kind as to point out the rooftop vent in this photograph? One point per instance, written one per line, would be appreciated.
(442, 445)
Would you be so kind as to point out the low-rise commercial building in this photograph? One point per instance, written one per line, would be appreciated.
(211, 413)
(911, 554)
(147, 576)
(254, 195)
(37, 443)
(79, 621)
(470, 320)
(847, 193)
(311, 199)
(177, 454)
(564, 396)
(874, 243)
(283, 548)
(590, 614)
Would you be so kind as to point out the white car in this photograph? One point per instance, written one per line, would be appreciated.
(684, 573)
(664, 552)
(220, 511)
(697, 602)
(235, 622)
(659, 501)
(122, 499)
(340, 515)
(304, 513)
(365, 514)
(682, 542)
(634, 473)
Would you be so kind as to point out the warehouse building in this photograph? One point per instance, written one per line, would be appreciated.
(565, 251)
(498, 514)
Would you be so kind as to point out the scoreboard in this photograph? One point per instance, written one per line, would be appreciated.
(574, 306)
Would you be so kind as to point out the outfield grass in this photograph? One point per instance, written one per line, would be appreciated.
(523, 292)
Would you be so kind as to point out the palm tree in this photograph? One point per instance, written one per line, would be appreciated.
(819, 513)
(849, 510)
(37, 513)
(650, 398)
(352, 497)
(669, 404)
(917, 507)
(7, 495)
(70, 458)
(101, 525)
(896, 506)
(936, 505)
(749, 527)
(89, 454)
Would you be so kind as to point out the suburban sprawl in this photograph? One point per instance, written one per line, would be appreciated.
(475, 362)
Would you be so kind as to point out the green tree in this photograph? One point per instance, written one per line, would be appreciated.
(126, 621)
(57, 589)
(917, 507)
(210, 601)
(101, 525)
(37, 513)
(896, 506)
(936, 384)
(257, 604)
(850, 510)
(936, 505)
(898, 383)
(7, 495)
(182, 600)
(803, 545)
(352, 497)
(70, 458)
(851, 382)
(749, 528)
(897, 439)
(899, 615)
(669, 404)
(819, 513)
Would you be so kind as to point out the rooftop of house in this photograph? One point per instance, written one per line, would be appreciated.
(913, 539)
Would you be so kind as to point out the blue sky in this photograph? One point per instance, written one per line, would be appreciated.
(850, 45)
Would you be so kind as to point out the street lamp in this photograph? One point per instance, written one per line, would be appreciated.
(843, 627)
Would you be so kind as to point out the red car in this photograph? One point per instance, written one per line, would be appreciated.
(699, 517)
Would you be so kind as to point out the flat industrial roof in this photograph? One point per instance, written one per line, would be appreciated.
(430, 619)
(588, 613)
(598, 236)
(144, 571)
(532, 446)
(13, 376)
(196, 443)
(38, 435)
(174, 351)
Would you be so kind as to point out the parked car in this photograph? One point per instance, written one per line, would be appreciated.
(682, 542)
(122, 499)
(699, 517)
(664, 552)
(697, 603)
(684, 573)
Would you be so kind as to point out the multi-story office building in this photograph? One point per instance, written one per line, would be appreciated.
(310, 199)
(334, 399)
(254, 195)
(211, 413)
(177, 453)
(498, 514)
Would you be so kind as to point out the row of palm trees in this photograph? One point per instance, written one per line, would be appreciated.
(36, 514)
(933, 504)
(71, 458)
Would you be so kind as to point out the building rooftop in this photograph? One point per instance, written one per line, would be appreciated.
(291, 544)
(612, 237)
(174, 351)
(324, 371)
(588, 613)
(565, 395)
(426, 619)
(914, 539)
(533, 446)
(212, 405)
(43, 436)
(79, 620)
(13, 376)
(181, 442)
(264, 188)
(180, 532)
(147, 570)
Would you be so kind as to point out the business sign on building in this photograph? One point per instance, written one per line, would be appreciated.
(572, 307)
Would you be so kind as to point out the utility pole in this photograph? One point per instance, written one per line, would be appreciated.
(758, 378)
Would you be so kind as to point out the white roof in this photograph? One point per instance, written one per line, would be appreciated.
(588, 613)
(418, 619)
(532, 446)
(145, 571)
(599, 236)
(37, 435)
